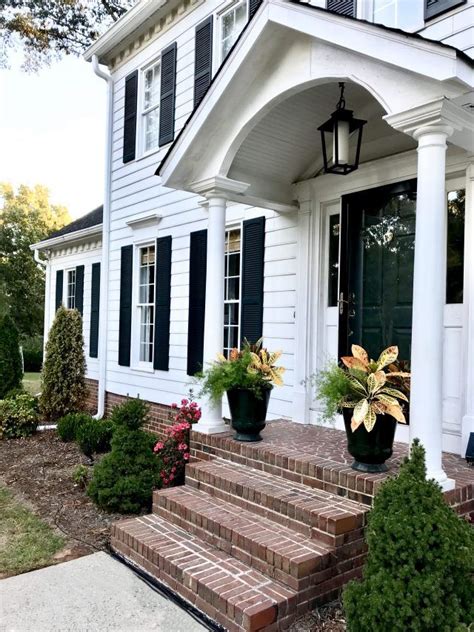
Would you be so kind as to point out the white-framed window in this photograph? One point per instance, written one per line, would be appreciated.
(231, 23)
(71, 289)
(146, 303)
(150, 107)
(232, 289)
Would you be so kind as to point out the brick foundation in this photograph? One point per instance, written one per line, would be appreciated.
(92, 395)
(159, 417)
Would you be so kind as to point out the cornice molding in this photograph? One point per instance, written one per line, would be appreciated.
(438, 113)
(144, 221)
(76, 236)
(75, 249)
(220, 186)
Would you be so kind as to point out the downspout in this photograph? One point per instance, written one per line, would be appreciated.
(47, 270)
(104, 273)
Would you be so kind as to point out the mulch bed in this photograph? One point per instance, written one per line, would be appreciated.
(38, 470)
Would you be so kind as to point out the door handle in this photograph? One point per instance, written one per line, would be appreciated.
(342, 301)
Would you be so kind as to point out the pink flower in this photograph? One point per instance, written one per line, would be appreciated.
(184, 402)
(186, 456)
(174, 405)
(159, 446)
(182, 447)
(171, 477)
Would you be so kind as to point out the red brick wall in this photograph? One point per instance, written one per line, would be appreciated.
(92, 395)
(159, 416)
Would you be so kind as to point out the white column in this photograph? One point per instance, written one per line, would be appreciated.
(468, 325)
(426, 407)
(211, 421)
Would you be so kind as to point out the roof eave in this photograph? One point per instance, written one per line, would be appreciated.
(78, 235)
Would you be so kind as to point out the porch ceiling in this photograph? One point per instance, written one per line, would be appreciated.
(285, 146)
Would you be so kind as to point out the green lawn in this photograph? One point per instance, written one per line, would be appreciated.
(32, 383)
(26, 542)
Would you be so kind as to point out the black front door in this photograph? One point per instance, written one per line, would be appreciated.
(376, 277)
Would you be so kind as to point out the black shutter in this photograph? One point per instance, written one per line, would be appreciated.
(436, 7)
(252, 279)
(167, 94)
(202, 59)
(197, 300)
(161, 350)
(79, 300)
(343, 7)
(130, 117)
(125, 324)
(95, 304)
(253, 7)
(59, 288)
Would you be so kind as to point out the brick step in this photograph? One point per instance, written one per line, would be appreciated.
(281, 553)
(230, 592)
(328, 518)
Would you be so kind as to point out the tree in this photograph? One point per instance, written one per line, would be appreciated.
(420, 564)
(27, 216)
(63, 378)
(11, 369)
(49, 29)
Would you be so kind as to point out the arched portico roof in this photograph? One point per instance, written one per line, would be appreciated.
(286, 66)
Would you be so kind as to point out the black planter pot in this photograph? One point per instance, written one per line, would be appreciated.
(248, 413)
(370, 449)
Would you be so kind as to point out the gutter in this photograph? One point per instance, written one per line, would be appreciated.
(77, 235)
(104, 269)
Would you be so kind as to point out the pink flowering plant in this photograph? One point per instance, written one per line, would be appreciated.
(173, 450)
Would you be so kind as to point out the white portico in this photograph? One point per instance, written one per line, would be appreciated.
(265, 151)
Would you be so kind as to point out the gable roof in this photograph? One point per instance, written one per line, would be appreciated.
(415, 36)
(94, 218)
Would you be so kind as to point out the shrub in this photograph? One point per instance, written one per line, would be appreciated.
(32, 353)
(124, 479)
(95, 435)
(18, 416)
(69, 425)
(63, 379)
(418, 575)
(11, 366)
(81, 476)
(173, 452)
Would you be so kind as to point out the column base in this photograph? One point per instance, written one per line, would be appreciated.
(447, 484)
(211, 427)
(301, 405)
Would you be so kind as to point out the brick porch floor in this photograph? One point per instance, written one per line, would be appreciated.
(261, 533)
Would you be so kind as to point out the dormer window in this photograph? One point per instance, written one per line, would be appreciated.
(232, 21)
(151, 107)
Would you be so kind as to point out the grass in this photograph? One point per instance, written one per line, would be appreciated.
(32, 383)
(26, 542)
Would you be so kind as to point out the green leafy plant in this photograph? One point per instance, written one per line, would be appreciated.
(366, 386)
(81, 476)
(252, 368)
(32, 348)
(94, 436)
(124, 479)
(69, 425)
(18, 416)
(420, 564)
(11, 367)
(63, 378)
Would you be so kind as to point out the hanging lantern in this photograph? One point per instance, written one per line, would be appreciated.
(341, 125)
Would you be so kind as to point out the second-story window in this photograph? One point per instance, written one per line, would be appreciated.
(71, 289)
(395, 13)
(232, 21)
(146, 302)
(232, 290)
(151, 107)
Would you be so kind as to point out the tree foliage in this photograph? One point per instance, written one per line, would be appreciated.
(49, 29)
(27, 216)
(63, 378)
(420, 565)
(11, 369)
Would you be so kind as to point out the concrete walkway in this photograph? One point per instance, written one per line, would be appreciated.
(91, 594)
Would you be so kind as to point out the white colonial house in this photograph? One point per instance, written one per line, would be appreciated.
(221, 220)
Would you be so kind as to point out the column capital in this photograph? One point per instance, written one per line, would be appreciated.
(219, 186)
(439, 116)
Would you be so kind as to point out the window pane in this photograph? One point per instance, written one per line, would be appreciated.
(146, 298)
(152, 121)
(333, 276)
(151, 87)
(232, 24)
(455, 254)
(234, 264)
(233, 292)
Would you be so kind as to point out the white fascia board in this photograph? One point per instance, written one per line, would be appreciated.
(130, 22)
(78, 235)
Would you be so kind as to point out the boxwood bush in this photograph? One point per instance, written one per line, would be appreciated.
(420, 565)
(69, 425)
(11, 366)
(95, 435)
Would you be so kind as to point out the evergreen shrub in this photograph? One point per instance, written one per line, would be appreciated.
(420, 564)
(18, 416)
(124, 479)
(94, 436)
(32, 348)
(63, 378)
(11, 365)
(69, 425)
